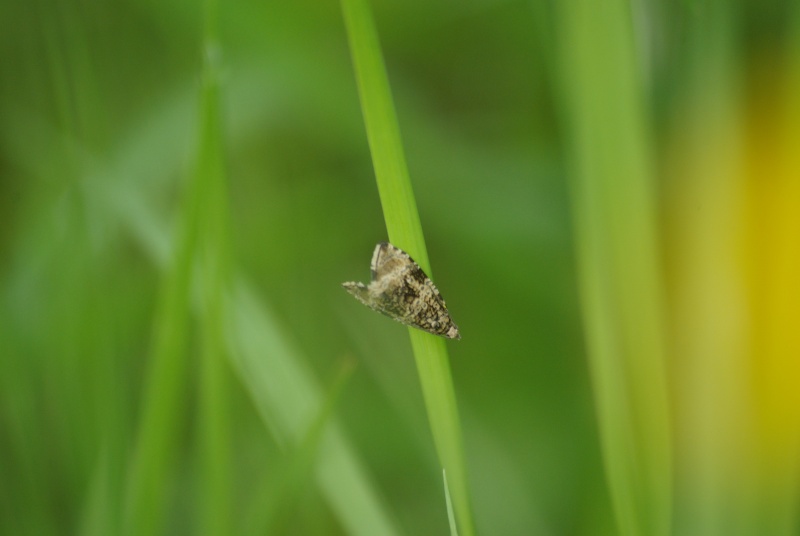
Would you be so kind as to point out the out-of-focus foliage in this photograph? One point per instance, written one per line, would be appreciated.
(100, 120)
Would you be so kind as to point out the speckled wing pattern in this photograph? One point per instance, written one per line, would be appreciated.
(400, 290)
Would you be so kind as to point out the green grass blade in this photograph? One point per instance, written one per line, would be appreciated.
(270, 509)
(276, 376)
(215, 512)
(433, 365)
(394, 184)
(165, 385)
(405, 231)
(451, 518)
(206, 211)
(288, 398)
(614, 215)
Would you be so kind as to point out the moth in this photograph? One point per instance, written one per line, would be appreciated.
(400, 290)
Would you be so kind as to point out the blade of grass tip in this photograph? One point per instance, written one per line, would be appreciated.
(614, 212)
(275, 501)
(405, 231)
(450, 516)
(215, 513)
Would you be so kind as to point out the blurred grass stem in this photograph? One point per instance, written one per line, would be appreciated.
(215, 457)
(614, 214)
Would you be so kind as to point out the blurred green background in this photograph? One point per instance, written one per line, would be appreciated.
(101, 137)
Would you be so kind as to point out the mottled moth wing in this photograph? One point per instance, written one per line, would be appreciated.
(400, 290)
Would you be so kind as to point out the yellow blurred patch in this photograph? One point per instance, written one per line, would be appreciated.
(772, 174)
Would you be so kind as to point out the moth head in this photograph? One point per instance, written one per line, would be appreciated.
(359, 290)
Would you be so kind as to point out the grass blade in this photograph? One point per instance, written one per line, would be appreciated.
(615, 215)
(451, 518)
(405, 231)
(269, 512)
(215, 460)
(288, 399)
(274, 373)
(165, 386)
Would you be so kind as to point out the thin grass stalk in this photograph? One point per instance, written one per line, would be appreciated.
(451, 518)
(405, 231)
(216, 503)
(166, 382)
(165, 390)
